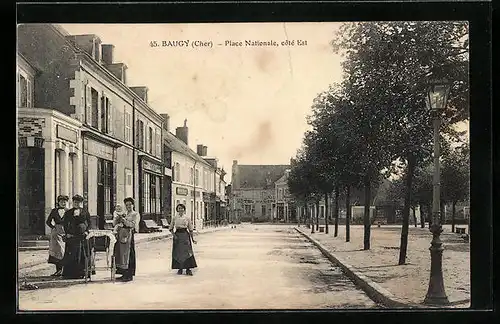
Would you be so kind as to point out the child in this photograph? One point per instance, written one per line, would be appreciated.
(117, 214)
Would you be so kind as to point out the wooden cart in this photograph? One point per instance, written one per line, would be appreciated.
(101, 241)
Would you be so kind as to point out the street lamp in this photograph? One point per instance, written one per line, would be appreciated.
(437, 97)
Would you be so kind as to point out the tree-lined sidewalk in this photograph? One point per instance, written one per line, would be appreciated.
(408, 283)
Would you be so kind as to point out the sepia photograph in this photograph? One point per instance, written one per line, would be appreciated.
(243, 166)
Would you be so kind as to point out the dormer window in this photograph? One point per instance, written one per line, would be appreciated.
(25, 81)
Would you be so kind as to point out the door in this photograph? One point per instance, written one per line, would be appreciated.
(100, 194)
(31, 179)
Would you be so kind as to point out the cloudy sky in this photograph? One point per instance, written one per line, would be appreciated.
(244, 103)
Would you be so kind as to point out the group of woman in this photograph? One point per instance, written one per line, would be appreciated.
(69, 248)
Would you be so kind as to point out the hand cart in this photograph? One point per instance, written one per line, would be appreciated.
(101, 241)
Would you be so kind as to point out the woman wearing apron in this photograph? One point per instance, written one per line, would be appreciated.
(125, 245)
(56, 245)
(182, 250)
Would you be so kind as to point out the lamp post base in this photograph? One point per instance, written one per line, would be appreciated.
(436, 293)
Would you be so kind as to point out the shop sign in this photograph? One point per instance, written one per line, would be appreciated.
(146, 165)
(167, 172)
(99, 149)
(181, 191)
(66, 134)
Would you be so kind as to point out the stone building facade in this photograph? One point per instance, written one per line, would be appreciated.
(253, 191)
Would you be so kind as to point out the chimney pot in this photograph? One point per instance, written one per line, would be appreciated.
(199, 149)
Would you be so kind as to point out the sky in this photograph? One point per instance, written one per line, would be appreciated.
(244, 103)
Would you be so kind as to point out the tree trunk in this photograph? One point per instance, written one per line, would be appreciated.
(453, 204)
(422, 218)
(317, 215)
(406, 211)
(366, 218)
(429, 214)
(312, 222)
(348, 214)
(415, 216)
(336, 211)
(327, 217)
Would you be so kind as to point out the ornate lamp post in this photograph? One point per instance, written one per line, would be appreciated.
(437, 98)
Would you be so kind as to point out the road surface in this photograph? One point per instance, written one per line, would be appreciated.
(250, 267)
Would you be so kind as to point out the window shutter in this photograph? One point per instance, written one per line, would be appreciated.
(147, 142)
(110, 117)
(28, 94)
(88, 110)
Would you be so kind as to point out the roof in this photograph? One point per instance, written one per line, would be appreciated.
(259, 176)
(284, 177)
(179, 146)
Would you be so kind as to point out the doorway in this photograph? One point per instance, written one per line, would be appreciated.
(31, 177)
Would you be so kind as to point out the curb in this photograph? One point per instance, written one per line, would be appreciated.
(372, 289)
(142, 240)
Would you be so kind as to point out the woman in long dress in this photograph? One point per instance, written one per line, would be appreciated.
(182, 250)
(77, 253)
(56, 245)
(125, 245)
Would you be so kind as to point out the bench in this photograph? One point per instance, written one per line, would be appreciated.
(460, 230)
(164, 223)
(151, 226)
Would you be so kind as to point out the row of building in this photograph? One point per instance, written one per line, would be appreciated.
(82, 129)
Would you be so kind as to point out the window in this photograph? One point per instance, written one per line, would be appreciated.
(139, 134)
(150, 140)
(197, 177)
(146, 192)
(191, 175)
(205, 179)
(152, 194)
(128, 130)
(105, 115)
(94, 111)
(158, 142)
(107, 181)
(280, 194)
(158, 195)
(263, 210)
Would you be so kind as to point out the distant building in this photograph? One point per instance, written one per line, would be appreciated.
(253, 191)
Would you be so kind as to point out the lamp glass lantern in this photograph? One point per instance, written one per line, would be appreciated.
(437, 94)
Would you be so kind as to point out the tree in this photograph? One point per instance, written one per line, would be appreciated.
(390, 62)
(299, 184)
(455, 178)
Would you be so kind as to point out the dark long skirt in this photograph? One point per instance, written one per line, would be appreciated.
(182, 251)
(130, 271)
(75, 255)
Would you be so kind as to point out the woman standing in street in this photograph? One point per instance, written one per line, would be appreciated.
(125, 245)
(182, 250)
(56, 245)
(76, 227)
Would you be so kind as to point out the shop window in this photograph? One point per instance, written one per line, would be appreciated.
(71, 174)
(158, 195)
(146, 193)
(107, 181)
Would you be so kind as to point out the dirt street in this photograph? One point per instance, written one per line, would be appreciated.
(251, 267)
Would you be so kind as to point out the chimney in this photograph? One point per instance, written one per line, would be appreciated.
(182, 132)
(89, 43)
(234, 175)
(118, 70)
(107, 53)
(141, 92)
(199, 150)
(204, 150)
(166, 121)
